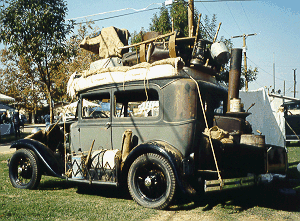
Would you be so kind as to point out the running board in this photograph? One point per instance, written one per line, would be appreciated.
(109, 183)
(216, 185)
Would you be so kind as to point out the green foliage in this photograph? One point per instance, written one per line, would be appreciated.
(82, 58)
(179, 12)
(36, 31)
(35, 28)
(251, 74)
(20, 81)
(161, 23)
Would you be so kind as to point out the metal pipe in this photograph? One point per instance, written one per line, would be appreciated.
(234, 75)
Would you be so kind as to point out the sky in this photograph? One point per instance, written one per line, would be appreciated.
(277, 24)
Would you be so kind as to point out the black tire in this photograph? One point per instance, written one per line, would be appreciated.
(151, 181)
(24, 171)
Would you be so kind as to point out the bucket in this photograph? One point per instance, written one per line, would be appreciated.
(77, 167)
(254, 140)
(235, 105)
(219, 52)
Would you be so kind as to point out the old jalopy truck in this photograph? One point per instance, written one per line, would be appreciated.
(154, 120)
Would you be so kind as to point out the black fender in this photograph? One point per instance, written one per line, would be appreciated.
(50, 163)
(174, 157)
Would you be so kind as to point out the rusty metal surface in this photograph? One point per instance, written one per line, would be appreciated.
(232, 124)
(234, 74)
(151, 34)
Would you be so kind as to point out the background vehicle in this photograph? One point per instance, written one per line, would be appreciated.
(292, 121)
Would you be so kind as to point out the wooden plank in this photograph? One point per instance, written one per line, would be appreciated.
(148, 41)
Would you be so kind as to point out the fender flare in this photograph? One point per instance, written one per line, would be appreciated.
(173, 156)
(52, 166)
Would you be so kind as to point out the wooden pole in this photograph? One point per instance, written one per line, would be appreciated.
(191, 17)
(214, 40)
(198, 25)
(245, 57)
(294, 82)
(245, 61)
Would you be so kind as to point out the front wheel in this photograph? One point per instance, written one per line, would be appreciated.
(24, 171)
(151, 181)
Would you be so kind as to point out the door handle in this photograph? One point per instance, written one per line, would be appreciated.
(108, 125)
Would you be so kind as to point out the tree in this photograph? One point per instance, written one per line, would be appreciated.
(80, 61)
(161, 23)
(17, 83)
(249, 76)
(82, 58)
(179, 13)
(36, 31)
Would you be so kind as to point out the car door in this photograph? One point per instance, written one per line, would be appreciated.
(137, 110)
(95, 121)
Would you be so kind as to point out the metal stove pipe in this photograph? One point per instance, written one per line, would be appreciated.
(234, 75)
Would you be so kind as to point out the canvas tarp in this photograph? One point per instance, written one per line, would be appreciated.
(107, 44)
(171, 67)
(5, 98)
(267, 115)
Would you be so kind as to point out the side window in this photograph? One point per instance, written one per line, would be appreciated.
(95, 105)
(136, 103)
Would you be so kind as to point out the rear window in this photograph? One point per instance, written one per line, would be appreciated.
(136, 103)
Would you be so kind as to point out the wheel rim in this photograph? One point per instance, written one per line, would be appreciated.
(151, 182)
(22, 171)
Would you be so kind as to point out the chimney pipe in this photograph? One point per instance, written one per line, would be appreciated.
(234, 75)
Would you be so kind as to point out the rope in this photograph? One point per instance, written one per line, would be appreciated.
(206, 124)
(146, 84)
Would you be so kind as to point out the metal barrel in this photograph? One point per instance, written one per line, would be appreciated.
(234, 75)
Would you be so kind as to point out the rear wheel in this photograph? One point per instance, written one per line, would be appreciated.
(151, 181)
(24, 171)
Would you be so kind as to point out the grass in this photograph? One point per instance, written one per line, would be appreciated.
(57, 199)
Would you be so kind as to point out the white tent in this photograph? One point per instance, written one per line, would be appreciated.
(6, 98)
(72, 107)
(267, 115)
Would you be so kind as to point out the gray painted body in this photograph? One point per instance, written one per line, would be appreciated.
(176, 124)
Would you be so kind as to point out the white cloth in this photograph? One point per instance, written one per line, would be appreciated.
(267, 116)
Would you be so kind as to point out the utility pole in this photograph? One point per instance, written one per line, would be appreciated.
(283, 90)
(294, 83)
(274, 71)
(191, 17)
(244, 36)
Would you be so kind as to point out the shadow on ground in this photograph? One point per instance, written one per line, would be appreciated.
(279, 196)
(104, 191)
(58, 184)
(82, 188)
